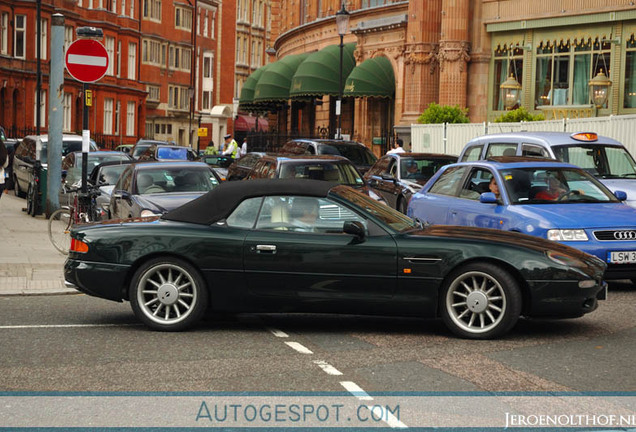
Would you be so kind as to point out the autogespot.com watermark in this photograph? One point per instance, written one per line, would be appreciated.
(295, 413)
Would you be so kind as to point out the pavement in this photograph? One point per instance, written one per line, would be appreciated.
(29, 264)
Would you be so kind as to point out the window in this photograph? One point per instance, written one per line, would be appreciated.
(130, 119)
(154, 93)
(152, 10)
(178, 98)
(179, 58)
(123, 7)
(207, 66)
(205, 25)
(118, 58)
(4, 33)
(42, 108)
(117, 116)
(449, 181)
(253, 54)
(19, 35)
(153, 52)
(108, 116)
(113, 6)
(508, 62)
(183, 18)
(254, 11)
(67, 114)
(629, 99)
(132, 8)
(132, 61)
(44, 38)
(110, 49)
(564, 68)
(68, 37)
(206, 100)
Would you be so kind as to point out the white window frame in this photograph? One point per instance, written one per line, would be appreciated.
(42, 108)
(110, 49)
(69, 33)
(4, 33)
(67, 112)
(117, 117)
(132, 61)
(118, 58)
(107, 127)
(130, 118)
(183, 18)
(20, 31)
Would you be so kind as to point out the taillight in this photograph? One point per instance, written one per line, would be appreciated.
(78, 246)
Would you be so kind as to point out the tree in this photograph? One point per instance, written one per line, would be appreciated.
(518, 115)
(443, 114)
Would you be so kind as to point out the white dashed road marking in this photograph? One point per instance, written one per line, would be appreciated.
(278, 333)
(298, 347)
(355, 390)
(327, 368)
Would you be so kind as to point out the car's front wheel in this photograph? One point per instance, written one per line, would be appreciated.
(480, 301)
(168, 294)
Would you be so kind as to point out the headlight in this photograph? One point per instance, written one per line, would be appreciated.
(567, 235)
(148, 213)
(564, 259)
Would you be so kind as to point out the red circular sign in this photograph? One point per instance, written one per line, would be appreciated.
(86, 60)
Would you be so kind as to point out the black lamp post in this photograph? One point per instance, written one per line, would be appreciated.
(342, 24)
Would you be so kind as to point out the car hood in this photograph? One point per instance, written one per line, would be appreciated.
(162, 203)
(590, 216)
(626, 185)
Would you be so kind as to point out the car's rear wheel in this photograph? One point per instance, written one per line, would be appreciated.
(480, 301)
(168, 294)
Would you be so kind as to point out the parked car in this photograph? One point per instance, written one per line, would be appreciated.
(72, 169)
(584, 214)
(365, 258)
(324, 167)
(34, 147)
(240, 168)
(125, 148)
(167, 152)
(397, 176)
(142, 145)
(153, 188)
(361, 156)
(219, 164)
(603, 157)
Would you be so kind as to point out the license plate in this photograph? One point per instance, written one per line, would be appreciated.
(624, 257)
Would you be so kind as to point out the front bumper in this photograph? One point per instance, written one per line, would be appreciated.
(563, 299)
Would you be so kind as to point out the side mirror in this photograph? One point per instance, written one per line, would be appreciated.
(355, 229)
(620, 195)
(387, 177)
(488, 198)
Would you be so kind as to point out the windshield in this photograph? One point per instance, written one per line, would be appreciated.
(602, 161)
(357, 154)
(553, 186)
(391, 217)
(165, 180)
(343, 173)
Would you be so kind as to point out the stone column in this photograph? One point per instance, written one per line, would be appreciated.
(421, 71)
(453, 53)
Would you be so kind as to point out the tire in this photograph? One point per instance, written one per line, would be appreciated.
(31, 201)
(480, 301)
(59, 230)
(168, 294)
(17, 190)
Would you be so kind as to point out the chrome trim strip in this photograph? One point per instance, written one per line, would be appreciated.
(422, 260)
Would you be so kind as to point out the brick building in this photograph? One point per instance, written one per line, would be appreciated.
(400, 56)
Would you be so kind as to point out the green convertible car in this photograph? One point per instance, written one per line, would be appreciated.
(312, 246)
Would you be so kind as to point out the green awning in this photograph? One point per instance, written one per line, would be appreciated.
(275, 82)
(371, 78)
(319, 74)
(247, 92)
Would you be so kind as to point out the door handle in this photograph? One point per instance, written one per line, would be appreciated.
(269, 249)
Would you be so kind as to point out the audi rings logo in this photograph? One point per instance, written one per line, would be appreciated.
(625, 235)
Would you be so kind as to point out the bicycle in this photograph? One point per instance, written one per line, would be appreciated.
(83, 210)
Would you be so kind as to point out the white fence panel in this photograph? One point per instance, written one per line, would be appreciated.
(430, 138)
(427, 138)
(457, 135)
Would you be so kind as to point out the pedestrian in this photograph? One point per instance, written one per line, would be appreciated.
(210, 149)
(397, 147)
(4, 160)
(243, 150)
(230, 146)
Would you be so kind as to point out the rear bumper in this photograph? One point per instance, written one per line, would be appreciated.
(106, 281)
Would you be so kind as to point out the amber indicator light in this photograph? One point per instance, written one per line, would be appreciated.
(78, 246)
(585, 136)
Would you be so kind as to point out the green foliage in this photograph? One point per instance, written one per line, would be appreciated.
(443, 114)
(518, 115)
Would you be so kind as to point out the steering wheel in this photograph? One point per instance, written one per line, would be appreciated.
(154, 189)
(568, 194)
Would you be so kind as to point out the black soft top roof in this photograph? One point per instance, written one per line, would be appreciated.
(222, 200)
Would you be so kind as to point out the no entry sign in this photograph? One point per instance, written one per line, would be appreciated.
(86, 60)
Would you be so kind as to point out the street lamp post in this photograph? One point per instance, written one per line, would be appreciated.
(342, 24)
(191, 95)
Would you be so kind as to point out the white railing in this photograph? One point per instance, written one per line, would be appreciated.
(451, 138)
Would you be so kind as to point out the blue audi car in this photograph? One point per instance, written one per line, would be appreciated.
(540, 197)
